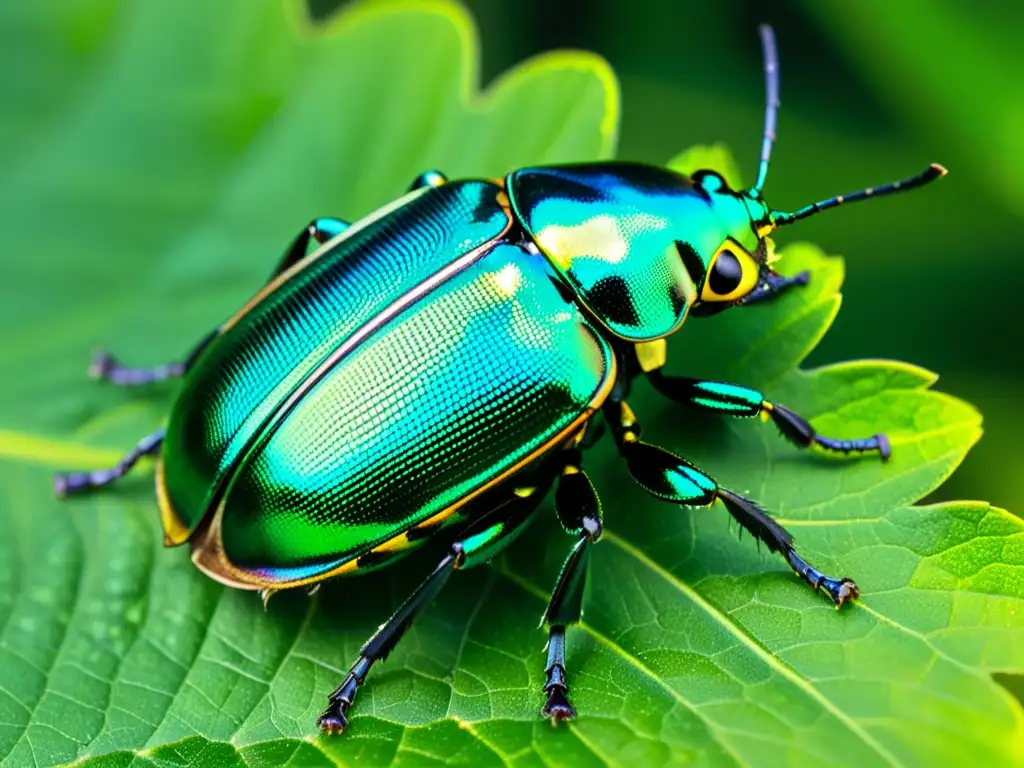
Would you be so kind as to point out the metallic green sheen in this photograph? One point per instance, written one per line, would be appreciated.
(729, 398)
(635, 241)
(689, 484)
(463, 386)
(245, 375)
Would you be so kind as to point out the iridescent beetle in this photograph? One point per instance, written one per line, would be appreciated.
(429, 372)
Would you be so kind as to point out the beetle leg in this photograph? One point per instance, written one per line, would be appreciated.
(67, 483)
(335, 718)
(477, 544)
(428, 179)
(734, 400)
(318, 232)
(671, 478)
(773, 285)
(105, 367)
(579, 511)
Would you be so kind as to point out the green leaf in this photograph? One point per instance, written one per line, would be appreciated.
(150, 199)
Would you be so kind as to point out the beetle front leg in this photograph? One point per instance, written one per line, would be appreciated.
(773, 285)
(476, 545)
(735, 400)
(579, 511)
(674, 479)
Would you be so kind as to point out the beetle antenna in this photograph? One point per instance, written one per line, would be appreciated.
(931, 173)
(771, 107)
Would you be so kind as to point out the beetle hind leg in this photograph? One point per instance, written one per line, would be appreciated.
(476, 545)
(674, 479)
(67, 483)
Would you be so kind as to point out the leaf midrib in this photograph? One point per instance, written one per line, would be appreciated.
(774, 663)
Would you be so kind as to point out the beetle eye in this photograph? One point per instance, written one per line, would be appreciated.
(733, 274)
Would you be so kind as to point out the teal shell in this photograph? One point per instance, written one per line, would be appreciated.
(415, 362)
(634, 241)
(263, 354)
(484, 372)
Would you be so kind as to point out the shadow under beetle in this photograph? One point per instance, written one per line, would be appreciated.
(431, 371)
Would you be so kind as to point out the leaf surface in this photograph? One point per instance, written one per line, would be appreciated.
(154, 197)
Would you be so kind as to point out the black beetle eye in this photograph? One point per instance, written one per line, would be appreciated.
(726, 274)
(733, 275)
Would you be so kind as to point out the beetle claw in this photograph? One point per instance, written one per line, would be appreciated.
(842, 590)
(100, 365)
(60, 486)
(558, 707)
(333, 720)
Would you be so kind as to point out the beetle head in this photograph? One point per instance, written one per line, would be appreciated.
(741, 267)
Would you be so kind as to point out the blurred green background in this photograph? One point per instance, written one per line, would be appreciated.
(872, 91)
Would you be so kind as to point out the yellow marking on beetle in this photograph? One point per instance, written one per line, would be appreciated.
(652, 354)
(506, 280)
(175, 533)
(433, 520)
(599, 237)
(570, 469)
(628, 417)
(524, 493)
(396, 544)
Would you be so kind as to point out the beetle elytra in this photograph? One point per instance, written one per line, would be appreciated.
(429, 372)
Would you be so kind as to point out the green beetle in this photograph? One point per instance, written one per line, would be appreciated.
(428, 373)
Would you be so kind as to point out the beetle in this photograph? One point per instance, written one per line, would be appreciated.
(430, 372)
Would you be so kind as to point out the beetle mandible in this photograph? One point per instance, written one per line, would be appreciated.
(431, 371)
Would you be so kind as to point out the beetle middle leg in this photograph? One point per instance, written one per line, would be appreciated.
(736, 400)
(105, 367)
(480, 541)
(579, 511)
(674, 479)
(66, 483)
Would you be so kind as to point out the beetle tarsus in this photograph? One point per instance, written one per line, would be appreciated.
(105, 367)
(798, 431)
(68, 483)
(775, 285)
(333, 720)
(558, 707)
(839, 590)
